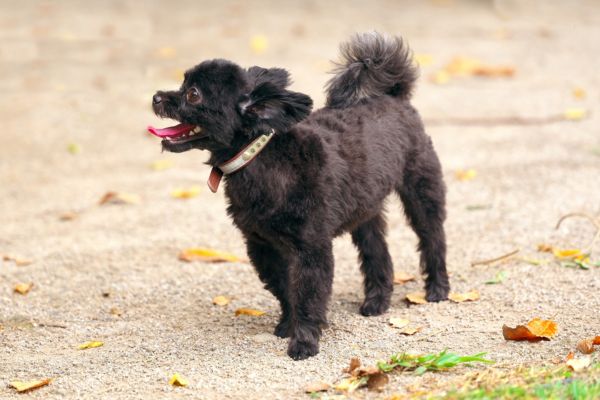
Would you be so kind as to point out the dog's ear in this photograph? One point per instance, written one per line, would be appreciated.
(277, 76)
(271, 106)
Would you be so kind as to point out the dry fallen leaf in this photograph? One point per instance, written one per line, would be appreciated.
(465, 175)
(399, 322)
(597, 341)
(116, 312)
(354, 364)
(68, 216)
(569, 254)
(178, 380)
(535, 330)
(258, 44)
(494, 71)
(248, 311)
(220, 301)
(574, 114)
(186, 193)
(467, 296)
(586, 346)
(401, 277)
(119, 198)
(19, 261)
(579, 364)
(377, 381)
(317, 387)
(416, 298)
(579, 93)
(90, 345)
(411, 330)
(166, 52)
(161, 165)
(545, 248)
(208, 255)
(23, 288)
(29, 385)
(350, 384)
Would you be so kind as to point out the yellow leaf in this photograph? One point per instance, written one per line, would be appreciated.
(183, 193)
(574, 114)
(119, 198)
(399, 322)
(161, 165)
(461, 297)
(568, 253)
(208, 255)
(402, 277)
(440, 77)
(465, 174)
(579, 93)
(423, 60)
(416, 298)
(220, 301)
(74, 148)
(178, 380)
(90, 345)
(166, 52)
(579, 364)
(351, 384)
(259, 44)
(23, 288)
(248, 311)
(29, 385)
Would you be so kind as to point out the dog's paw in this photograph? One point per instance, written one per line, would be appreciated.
(282, 329)
(374, 306)
(437, 293)
(302, 350)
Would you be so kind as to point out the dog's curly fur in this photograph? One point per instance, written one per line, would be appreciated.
(321, 175)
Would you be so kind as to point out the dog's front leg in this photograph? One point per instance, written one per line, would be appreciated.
(310, 281)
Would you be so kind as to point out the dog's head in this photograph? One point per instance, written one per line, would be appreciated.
(219, 103)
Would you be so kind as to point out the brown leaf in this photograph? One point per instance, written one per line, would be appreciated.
(116, 312)
(545, 248)
(23, 288)
(570, 356)
(248, 311)
(220, 301)
(317, 387)
(366, 371)
(377, 381)
(597, 340)
(586, 346)
(401, 277)
(416, 298)
(462, 297)
(22, 387)
(494, 71)
(354, 364)
(68, 216)
(208, 255)
(119, 198)
(535, 330)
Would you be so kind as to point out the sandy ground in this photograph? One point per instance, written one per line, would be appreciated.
(84, 73)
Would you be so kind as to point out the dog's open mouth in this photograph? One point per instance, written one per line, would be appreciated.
(178, 134)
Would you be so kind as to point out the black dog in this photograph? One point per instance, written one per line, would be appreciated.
(316, 176)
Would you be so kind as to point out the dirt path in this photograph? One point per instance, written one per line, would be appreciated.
(85, 74)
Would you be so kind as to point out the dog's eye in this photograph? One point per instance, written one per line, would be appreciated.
(193, 96)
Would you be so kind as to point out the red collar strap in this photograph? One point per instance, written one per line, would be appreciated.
(239, 161)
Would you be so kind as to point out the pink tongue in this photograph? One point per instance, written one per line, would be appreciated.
(172, 131)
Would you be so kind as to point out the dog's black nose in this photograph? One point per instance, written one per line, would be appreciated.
(156, 99)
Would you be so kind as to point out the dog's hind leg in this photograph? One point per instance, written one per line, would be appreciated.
(376, 265)
(272, 270)
(423, 195)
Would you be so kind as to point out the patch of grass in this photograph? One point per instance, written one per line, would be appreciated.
(429, 362)
(527, 384)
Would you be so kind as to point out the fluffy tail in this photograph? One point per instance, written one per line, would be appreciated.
(372, 65)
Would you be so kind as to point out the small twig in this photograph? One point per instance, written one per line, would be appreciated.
(593, 220)
(493, 260)
(49, 325)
